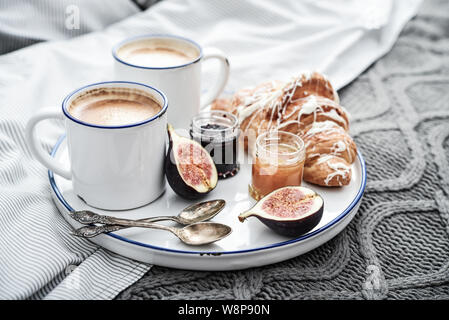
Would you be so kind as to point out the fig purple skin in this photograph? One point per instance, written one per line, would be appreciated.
(294, 228)
(289, 211)
(189, 169)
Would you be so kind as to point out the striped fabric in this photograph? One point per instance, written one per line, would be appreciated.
(38, 257)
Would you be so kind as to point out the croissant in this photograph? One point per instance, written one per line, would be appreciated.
(329, 153)
(307, 106)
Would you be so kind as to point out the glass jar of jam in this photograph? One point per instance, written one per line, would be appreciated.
(218, 132)
(278, 162)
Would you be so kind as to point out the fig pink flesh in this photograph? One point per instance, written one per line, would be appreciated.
(194, 163)
(287, 203)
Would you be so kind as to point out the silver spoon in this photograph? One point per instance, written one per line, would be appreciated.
(196, 234)
(198, 212)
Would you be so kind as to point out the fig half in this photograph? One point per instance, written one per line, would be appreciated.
(289, 211)
(189, 168)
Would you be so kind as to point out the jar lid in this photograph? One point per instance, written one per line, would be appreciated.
(215, 125)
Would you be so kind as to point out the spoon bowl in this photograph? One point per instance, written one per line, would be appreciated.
(202, 233)
(195, 233)
(199, 212)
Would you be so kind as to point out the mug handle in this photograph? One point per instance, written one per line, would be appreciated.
(223, 75)
(39, 152)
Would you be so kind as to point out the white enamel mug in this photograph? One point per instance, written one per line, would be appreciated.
(111, 167)
(181, 83)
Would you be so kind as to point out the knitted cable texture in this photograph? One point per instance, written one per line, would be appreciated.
(397, 246)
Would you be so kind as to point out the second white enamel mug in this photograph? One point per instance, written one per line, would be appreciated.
(181, 83)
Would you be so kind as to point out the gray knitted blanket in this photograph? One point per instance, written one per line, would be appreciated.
(397, 246)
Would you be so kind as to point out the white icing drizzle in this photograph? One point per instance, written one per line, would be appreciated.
(291, 113)
(313, 155)
(256, 102)
(253, 117)
(322, 126)
(329, 127)
(311, 106)
(334, 115)
(275, 99)
(325, 158)
(339, 168)
(315, 104)
(338, 147)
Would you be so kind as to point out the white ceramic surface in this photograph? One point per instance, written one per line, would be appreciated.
(251, 243)
(109, 165)
(181, 84)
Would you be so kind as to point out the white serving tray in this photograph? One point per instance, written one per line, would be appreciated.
(251, 243)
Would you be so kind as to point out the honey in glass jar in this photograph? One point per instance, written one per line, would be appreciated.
(278, 162)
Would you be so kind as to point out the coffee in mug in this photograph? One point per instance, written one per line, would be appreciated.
(157, 53)
(116, 139)
(114, 106)
(172, 64)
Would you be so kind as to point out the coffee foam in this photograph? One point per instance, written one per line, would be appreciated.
(158, 53)
(114, 106)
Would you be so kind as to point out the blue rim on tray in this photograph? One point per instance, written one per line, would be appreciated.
(271, 246)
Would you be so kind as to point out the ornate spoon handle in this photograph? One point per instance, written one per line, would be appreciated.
(93, 230)
(89, 217)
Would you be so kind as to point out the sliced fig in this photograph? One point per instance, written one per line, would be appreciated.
(189, 168)
(289, 211)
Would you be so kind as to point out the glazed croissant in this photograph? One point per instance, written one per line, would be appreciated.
(307, 106)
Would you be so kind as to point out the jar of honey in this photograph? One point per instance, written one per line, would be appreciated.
(278, 161)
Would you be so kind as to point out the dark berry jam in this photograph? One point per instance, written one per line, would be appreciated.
(219, 136)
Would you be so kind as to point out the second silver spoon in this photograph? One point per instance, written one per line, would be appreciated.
(195, 234)
(198, 212)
